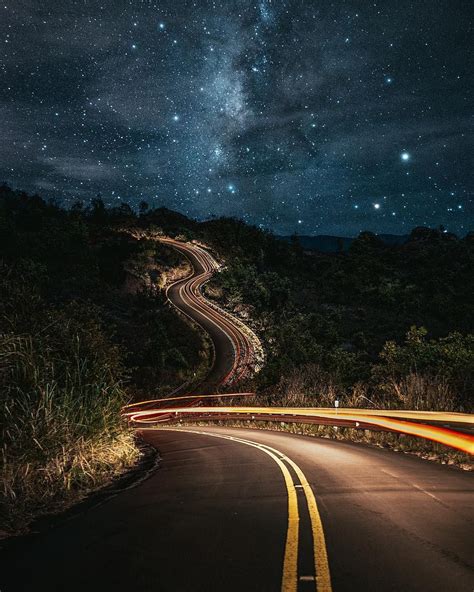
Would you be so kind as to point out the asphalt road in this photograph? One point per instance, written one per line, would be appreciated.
(214, 517)
(233, 350)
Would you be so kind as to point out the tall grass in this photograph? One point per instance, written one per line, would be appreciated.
(61, 433)
(311, 386)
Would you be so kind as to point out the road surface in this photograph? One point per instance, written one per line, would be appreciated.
(233, 348)
(214, 517)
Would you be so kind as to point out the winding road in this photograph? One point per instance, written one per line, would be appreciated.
(233, 509)
(233, 344)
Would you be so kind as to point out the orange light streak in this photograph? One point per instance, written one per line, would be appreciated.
(380, 419)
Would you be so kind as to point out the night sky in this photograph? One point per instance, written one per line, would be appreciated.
(309, 116)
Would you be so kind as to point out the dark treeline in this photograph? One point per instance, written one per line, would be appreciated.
(348, 318)
(336, 314)
(382, 321)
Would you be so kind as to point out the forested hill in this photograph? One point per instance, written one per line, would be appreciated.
(336, 314)
(333, 244)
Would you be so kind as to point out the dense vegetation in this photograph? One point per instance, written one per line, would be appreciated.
(82, 331)
(389, 324)
(392, 324)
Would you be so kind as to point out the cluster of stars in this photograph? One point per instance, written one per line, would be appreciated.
(320, 118)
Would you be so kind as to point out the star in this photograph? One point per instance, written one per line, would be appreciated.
(312, 116)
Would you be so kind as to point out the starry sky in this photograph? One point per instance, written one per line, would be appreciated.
(311, 116)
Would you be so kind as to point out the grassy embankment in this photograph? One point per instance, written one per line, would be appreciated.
(84, 328)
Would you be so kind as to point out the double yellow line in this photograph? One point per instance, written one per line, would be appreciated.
(290, 562)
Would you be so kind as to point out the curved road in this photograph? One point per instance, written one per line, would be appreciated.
(248, 510)
(214, 517)
(233, 348)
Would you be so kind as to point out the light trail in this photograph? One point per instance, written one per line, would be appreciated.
(196, 307)
(359, 418)
(190, 294)
(166, 400)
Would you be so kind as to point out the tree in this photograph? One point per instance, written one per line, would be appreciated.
(143, 208)
(97, 211)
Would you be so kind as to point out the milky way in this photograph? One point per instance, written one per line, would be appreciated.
(315, 117)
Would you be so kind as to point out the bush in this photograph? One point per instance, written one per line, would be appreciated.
(428, 371)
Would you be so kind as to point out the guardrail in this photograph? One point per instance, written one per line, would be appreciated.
(450, 429)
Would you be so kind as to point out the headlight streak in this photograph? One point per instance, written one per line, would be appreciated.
(245, 346)
(387, 420)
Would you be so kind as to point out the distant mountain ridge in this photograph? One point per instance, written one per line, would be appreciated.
(326, 243)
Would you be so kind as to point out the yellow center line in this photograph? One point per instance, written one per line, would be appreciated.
(290, 562)
(321, 563)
